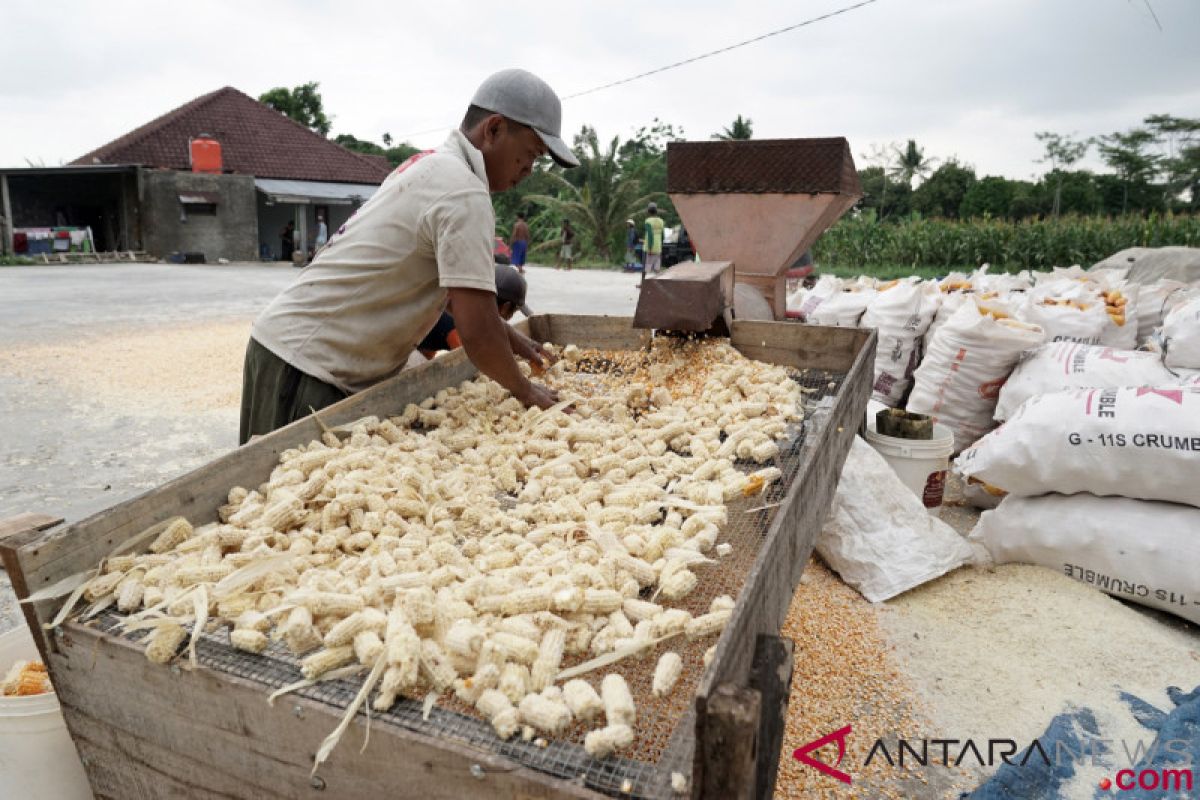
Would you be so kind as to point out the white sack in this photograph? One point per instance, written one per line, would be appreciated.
(1132, 442)
(901, 314)
(1069, 365)
(951, 303)
(1138, 550)
(1181, 335)
(1155, 301)
(879, 537)
(968, 361)
(1046, 306)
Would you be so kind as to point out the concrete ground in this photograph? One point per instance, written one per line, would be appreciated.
(117, 378)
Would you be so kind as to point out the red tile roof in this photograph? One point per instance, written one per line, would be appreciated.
(255, 140)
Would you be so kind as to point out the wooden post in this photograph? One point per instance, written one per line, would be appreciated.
(771, 675)
(7, 226)
(24, 523)
(728, 743)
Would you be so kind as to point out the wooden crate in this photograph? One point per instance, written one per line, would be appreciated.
(144, 730)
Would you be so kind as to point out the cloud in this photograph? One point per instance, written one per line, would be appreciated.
(972, 78)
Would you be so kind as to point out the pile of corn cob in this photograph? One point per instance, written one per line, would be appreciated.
(472, 545)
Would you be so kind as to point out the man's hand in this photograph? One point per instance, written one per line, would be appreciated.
(526, 348)
(487, 340)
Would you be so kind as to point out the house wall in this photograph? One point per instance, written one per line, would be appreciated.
(231, 233)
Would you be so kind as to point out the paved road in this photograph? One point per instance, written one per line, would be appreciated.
(43, 303)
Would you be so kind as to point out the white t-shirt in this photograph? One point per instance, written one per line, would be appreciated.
(355, 314)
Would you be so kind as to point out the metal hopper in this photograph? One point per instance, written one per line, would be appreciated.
(761, 203)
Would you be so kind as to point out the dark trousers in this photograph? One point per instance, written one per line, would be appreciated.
(274, 393)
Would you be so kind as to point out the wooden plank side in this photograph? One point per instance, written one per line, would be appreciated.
(803, 346)
(22, 523)
(765, 598)
(147, 730)
(48, 557)
(601, 332)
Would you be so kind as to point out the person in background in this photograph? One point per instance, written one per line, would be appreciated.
(510, 298)
(567, 252)
(631, 241)
(322, 233)
(519, 242)
(653, 239)
(288, 237)
(425, 238)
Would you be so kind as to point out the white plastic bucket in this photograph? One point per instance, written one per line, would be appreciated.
(920, 463)
(37, 759)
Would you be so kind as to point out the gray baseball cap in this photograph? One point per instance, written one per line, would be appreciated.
(511, 287)
(524, 97)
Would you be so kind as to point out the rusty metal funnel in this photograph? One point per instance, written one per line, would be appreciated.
(761, 203)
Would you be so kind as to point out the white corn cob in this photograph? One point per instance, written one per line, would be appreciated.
(418, 605)
(326, 603)
(164, 642)
(298, 631)
(499, 710)
(248, 639)
(518, 648)
(521, 626)
(320, 662)
(526, 601)
(605, 741)
(464, 638)
(724, 549)
(582, 699)
(369, 619)
(102, 586)
(641, 571)
(207, 573)
(666, 673)
(549, 657)
(709, 654)
(618, 702)
(707, 624)
(175, 534)
(514, 681)
(638, 610)
(601, 601)
(367, 647)
(670, 622)
(253, 620)
(679, 585)
(548, 716)
(392, 684)
(130, 593)
(721, 603)
(281, 515)
(436, 665)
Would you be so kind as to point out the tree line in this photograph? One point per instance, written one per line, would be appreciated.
(1154, 168)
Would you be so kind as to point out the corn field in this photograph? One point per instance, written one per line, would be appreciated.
(861, 242)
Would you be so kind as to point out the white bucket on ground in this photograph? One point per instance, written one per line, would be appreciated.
(37, 758)
(920, 463)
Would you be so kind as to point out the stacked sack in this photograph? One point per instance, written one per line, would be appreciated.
(969, 359)
(1103, 483)
(1086, 307)
(833, 301)
(901, 312)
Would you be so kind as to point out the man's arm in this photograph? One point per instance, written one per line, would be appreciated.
(485, 338)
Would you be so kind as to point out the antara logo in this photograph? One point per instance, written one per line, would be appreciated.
(802, 754)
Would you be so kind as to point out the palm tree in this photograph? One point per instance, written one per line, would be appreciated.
(911, 163)
(605, 198)
(740, 129)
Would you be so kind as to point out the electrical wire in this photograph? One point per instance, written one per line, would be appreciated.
(712, 53)
(692, 60)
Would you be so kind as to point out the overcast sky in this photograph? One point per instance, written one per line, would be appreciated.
(968, 78)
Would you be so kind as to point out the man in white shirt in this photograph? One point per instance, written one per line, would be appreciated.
(424, 238)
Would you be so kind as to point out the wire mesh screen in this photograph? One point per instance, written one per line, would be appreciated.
(641, 772)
